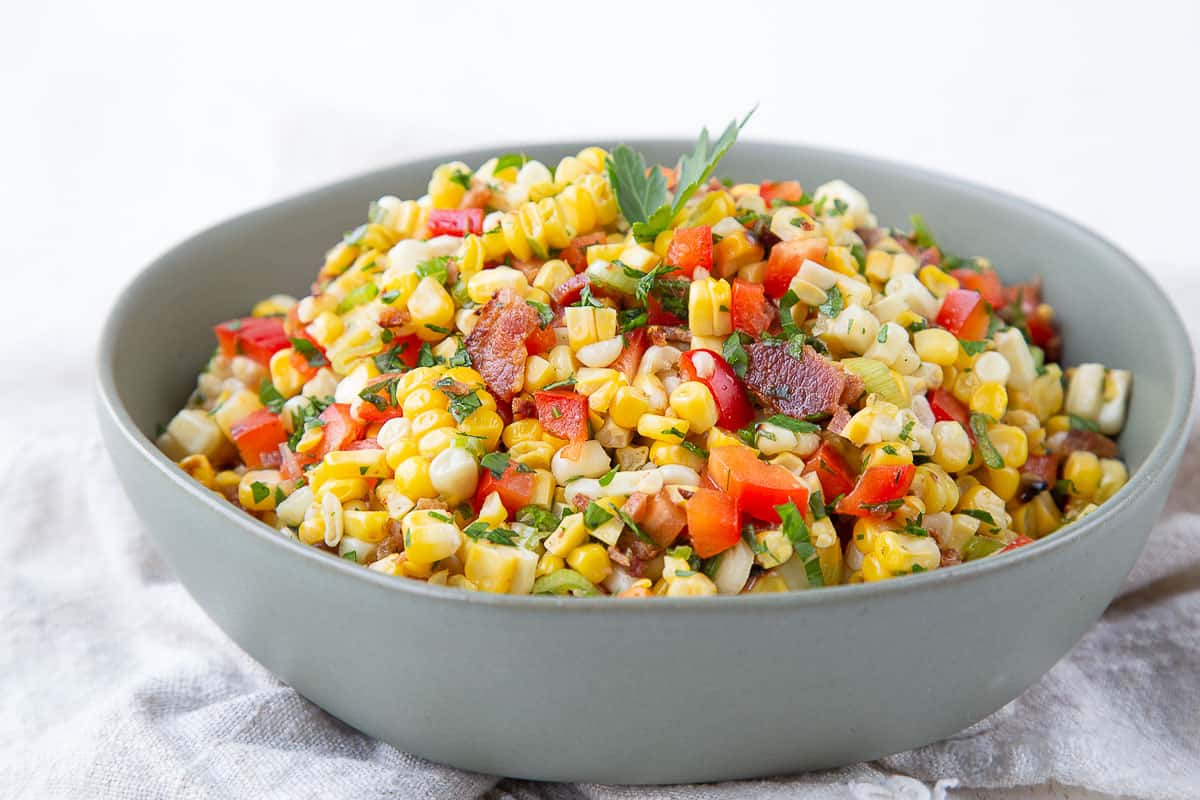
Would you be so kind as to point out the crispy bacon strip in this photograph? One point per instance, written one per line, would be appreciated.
(799, 386)
(497, 344)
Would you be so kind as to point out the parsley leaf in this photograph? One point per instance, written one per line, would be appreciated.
(310, 351)
(974, 348)
(496, 463)
(270, 396)
(792, 424)
(1082, 423)
(639, 194)
(538, 517)
(921, 234)
(833, 304)
(479, 530)
(991, 456)
(544, 312)
(982, 516)
(510, 160)
(259, 491)
(735, 355)
(794, 527)
(595, 516)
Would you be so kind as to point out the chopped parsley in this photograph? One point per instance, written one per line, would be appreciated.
(595, 516)
(1082, 423)
(259, 491)
(694, 448)
(356, 297)
(834, 303)
(607, 477)
(496, 463)
(436, 268)
(974, 348)
(479, 530)
(270, 396)
(544, 312)
(991, 456)
(921, 235)
(510, 160)
(982, 516)
(792, 424)
(538, 517)
(794, 527)
(390, 360)
(883, 334)
(735, 354)
(312, 354)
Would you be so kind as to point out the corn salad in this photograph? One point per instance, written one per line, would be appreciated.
(602, 378)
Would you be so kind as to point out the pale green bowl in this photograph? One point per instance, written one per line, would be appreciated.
(664, 690)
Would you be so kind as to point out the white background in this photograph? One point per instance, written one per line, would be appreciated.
(128, 126)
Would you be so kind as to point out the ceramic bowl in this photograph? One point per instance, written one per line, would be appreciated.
(663, 690)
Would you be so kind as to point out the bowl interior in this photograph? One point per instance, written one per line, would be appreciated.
(1110, 310)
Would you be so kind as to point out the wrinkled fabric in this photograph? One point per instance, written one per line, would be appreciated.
(116, 685)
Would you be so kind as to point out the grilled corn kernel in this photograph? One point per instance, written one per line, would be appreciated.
(412, 478)
(672, 430)
(936, 346)
(935, 488)
(1084, 472)
(591, 561)
(990, 399)
(1004, 481)
(692, 402)
(484, 284)
(1011, 443)
(887, 454)
(952, 446)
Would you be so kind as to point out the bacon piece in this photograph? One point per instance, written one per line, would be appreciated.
(527, 268)
(394, 317)
(796, 386)
(575, 253)
(870, 236)
(431, 504)
(497, 344)
(477, 197)
(524, 407)
(1063, 443)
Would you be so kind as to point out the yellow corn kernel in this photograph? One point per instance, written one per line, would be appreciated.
(369, 526)
(485, 283)
(232, 409)
(1011, 443)
(522, 430)
(552, 274)
(492, 511)
(370, 463)
(965, 383)
(1059, 423)
(774, 548)
(1046, 395)
(424, 399)
(734, 252)
(535, 455)
(696, 585)
(345, 489)
(936, 346)
(1004, 482)
(1083, 471)
(719, 438)
(628, 405)
(708, 307)
(692, 402)
(562, 361)
(226, 482)
(288, 380)
(672, 430)
(1113, 475)
(873, 569)
(491, 567)
(549, 563)
(435, 441)
(712, 209)
(539, 373)
(900, 553)
(410, 568)
(935, 488)
(412, 478)
(990, 399)
(936, 281)
(429, 420)
(569, 534)
(429, 538)
(432, 309)
(399, 450)
(200, 469)
(979, 497)
(486, 424)
(256, 490)
(952, 446)
(866, 532)
(312, 530)
(591, 561)
(887, 454)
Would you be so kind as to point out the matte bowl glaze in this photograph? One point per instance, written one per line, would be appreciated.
(663, 690)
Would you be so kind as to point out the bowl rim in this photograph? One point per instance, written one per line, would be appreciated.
(1165, 451)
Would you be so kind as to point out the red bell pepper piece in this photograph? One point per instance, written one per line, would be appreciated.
(756, 486)
(1020, 541)
(877, 487)
(749, 309)
(382, 408)
(964, 313)
(575, 253)
(454, 222)
(789, 191)
(657, 315)
(254, 337)
(986, 282)
(785, 261)
(563, 413)
(340, 428)
(631, 354)
(291, 465)
(733, 407)
(541, 341)
(947, 408)
(832, 470)
(712, 520)
(691, 248)
(514, 486)
(258, 437)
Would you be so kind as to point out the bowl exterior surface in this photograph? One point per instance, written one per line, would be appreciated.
(661, 691)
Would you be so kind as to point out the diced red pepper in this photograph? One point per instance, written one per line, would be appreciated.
(733, 407)
(257, 338)
(657, 315)
(1043, 468)
(986, 282)
(364, 444)
(295, 330)
(563, 413)
(291, 464)
(832, 470)
(258, 437)
(749, 309)
(690, 249)
(712, 520)
(541, 341)
(756, 486)
(947, 408)
(575, 253)
(789, 191)
(568, 291)
(514, 486)
(964, 313)
(1020, 541)
(454, 222)
(876, 488)
(407, 349)
(785, 261)
(631, 355)
(340, 428)
(382, 408)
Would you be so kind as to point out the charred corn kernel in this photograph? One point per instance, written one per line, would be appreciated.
(1004, 482)
(429, 538)
(1059, 423)
(734, 252)
(591, 561)
(485, 424)
(256, 490)
(709, 302)
(1011, 443)
(1113, 475)
(569, 534)
(1084, 472)
(672, 430)
(539, 373)
(935, 488)
(1046, 395)
(412, 478)
(484, 284)
(286, 378)
(200, 469)
(423, 399)
(522, 430)
(900, 553)
(774, 548)
(936, 281)
(990, 399)
(628, 405)
(549, 563)
(695, 585)
(952, 446)
(369, 526)
(345, 489)
(233, 409)
(552, 274)
(937, 346)
(887, 454)
(692, 402)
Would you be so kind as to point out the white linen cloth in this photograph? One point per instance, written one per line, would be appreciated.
(114, 683)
